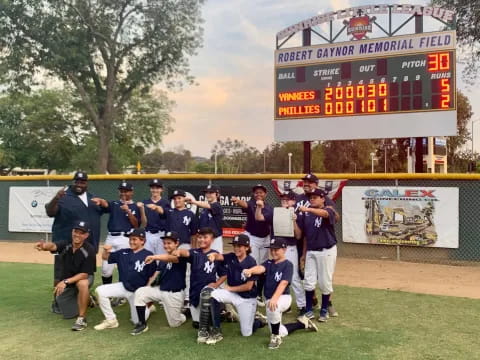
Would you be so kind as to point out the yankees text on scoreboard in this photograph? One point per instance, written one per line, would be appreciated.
(409, 76)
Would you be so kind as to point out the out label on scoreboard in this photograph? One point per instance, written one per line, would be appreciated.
(404, 83)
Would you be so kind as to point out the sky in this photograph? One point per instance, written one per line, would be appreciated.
(233, 95)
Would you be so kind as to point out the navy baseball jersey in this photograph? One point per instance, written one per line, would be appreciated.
(132, 270)
(319, 231)
(156, 222)
(302, 200)
(235, 276)
(274, 273)
(212, 218)
(184, 222)
(172, 275)
(80, 261)
(258, 228)
(70, 209)
(203, 272)
(118, 221)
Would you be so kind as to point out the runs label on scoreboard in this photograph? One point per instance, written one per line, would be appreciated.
(396, 84)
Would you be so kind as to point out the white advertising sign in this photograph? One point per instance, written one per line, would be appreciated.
(412, 216)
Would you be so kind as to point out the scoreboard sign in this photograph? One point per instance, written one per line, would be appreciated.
(401, 86)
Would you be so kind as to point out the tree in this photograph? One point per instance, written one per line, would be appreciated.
(348, 156)
(107, 50)
(468, 36)
(39, 130)
(236, 157)
(277, 157)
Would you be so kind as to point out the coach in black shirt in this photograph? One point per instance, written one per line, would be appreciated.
(78, 258)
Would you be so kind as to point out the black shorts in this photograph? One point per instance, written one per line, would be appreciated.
(67, 300)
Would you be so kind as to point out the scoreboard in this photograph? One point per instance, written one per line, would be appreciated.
(386, 90)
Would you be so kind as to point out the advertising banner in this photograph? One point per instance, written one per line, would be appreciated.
(414, 216)
(26, 212)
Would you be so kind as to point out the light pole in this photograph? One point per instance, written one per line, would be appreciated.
(290, 163)
(215, 159)
(372, 156)
(473, 122)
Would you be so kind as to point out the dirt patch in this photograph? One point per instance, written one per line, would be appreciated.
(432, 279)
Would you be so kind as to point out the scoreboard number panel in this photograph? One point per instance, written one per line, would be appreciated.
(355, 93)
(397, 84)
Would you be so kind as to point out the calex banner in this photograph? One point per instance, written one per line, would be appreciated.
(414, 216)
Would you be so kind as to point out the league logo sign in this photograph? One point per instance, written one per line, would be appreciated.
(358, 26)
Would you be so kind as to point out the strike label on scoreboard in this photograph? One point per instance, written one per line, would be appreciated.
(382, 85)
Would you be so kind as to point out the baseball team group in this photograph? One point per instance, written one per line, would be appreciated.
(167, 255)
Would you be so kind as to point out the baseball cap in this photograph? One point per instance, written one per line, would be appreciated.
(125, 186)
(171, 235)
(211, 188)
(259, 186)
(138, 232)
(81, 225)
(311, 177)
(290, 195)
(277, 244)
(241, 239)
(318, 192)
(80, 175)
(178, 193)
(205, 231)
(155, 182)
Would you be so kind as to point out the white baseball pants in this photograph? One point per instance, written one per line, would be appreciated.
(319, 267)
(172, 302)
(297, 283)
(187, 273)
(257, 244)
(275, 317)
(154, 242)
(246, 308)
(217, 244)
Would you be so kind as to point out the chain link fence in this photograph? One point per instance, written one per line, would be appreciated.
(468, 252)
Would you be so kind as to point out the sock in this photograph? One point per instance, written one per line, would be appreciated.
(275, 328)
(107, 279)
(330, 303)
(260, 283)
(309, 300)
(257, 324)
(325, 301)
(215, 310)
(294, 326)
(141, 314)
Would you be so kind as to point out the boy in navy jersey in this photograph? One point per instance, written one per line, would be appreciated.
(211, 214)
(278, 276)
(156, 209)
(241, 291)
(316, 227)
(125, 215)
(133, 273)
(171, 290)
(203, 279)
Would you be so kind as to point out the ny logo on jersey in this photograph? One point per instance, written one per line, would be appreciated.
(318, 222)
(305, 203)
(139, 266)
(169, 266)
(243, 277)
(208, 268)
(186, 220)
(278, 276)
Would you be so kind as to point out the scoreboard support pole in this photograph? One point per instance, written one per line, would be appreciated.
(307, 145)
(419, 140)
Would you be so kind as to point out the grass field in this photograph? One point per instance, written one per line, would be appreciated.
(373, 324)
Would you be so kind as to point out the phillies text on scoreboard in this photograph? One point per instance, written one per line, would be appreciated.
(381, 85)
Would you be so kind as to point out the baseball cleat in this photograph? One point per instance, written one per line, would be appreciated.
(308, 323)
(275, 342)
(331, 311)
(107, 324)
(215, 337)
(118, 301)
(152, 308)
(139, 329)
(260, 301)
(80, 324)
(259, 315)
(323, 315)
(231, 315)
(309, 314)
(202, 336)
(301, 311)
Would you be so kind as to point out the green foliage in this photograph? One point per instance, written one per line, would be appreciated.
(348, 156)
(236, 157)
(106, 50)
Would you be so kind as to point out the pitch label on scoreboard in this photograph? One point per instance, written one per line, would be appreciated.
(419, 82)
